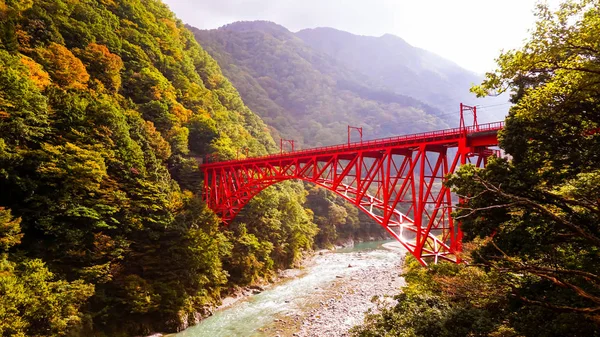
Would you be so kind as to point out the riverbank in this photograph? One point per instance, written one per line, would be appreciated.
(327, 297)
(309, 260)
(343, 303)
(242, 293)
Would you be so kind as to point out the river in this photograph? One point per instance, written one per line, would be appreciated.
(344, 280)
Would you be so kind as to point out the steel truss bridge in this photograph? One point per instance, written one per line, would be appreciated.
(397, 181)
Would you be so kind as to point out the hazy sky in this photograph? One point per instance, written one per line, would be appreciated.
(468, 32)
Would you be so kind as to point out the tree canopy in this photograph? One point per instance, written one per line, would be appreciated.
(106, 109)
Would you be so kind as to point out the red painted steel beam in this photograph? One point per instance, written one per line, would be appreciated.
(397, 181)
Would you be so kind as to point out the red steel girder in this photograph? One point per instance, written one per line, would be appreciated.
(397, 181)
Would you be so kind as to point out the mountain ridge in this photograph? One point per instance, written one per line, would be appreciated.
(397, 65)
(306, 94)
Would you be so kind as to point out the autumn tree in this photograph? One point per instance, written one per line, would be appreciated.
(64, 67)
(103, 65)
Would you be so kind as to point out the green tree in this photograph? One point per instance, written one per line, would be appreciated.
(539, 211)
(23, 108)
(32, 301)
(531, 220)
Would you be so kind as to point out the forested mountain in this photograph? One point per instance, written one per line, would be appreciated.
(104, 108)
(392, 62)
(307, 95)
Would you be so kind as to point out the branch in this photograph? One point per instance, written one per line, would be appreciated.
(588, 276)
(574, 46)
(466, 197)
(543, 271)
(523, 200)
(552, 67)
(563, 308)
(562, 283)
(479, 209)
(585, 203)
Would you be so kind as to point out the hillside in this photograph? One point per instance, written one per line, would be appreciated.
(105, 108)
(396, 64)
(305, 94)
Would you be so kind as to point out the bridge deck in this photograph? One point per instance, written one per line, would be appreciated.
(481, 131)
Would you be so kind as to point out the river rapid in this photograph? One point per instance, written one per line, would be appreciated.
(328, 297)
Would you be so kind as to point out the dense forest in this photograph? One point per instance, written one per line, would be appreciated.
(106, 108)
(531, 223)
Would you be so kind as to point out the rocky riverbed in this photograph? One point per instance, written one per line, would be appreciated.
(327, 297)
(342, 304)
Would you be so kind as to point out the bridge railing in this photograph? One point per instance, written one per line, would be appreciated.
(494, 126)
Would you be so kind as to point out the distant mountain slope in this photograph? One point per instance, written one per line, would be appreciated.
(305, 94)
(393, 63)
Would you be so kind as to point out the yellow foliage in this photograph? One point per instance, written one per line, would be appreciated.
(176, 202)
(36, 73)
(128, 23)
(183, 114)
(171, 26)
(19, 6)
(23, 5)
(74, 165)
(3, 9)
(109, 3)
(167, 92)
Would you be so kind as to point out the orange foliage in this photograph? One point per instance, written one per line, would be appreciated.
(36, 73)
(66, 69)
(172, 27)
(3, 9)
(127, 23)
(109, 3)
(103, 245)
(159, 144)
(24, 40)
(112, 61)
(103, 65)
(215, 81)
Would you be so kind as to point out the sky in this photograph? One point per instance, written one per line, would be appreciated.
(469, 32)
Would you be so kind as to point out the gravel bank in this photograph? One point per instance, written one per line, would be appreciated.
(342, 304)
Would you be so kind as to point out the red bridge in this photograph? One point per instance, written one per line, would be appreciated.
(397, 181)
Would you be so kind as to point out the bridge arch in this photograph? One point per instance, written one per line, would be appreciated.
(398, 182)
(373, 208)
